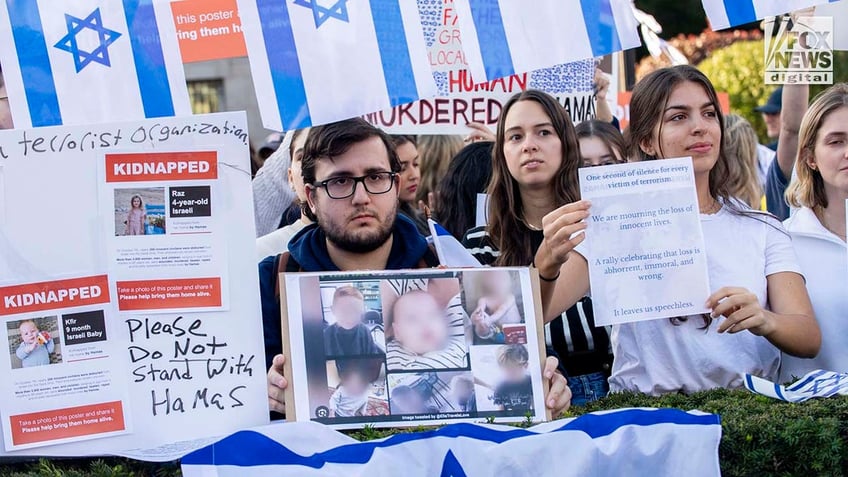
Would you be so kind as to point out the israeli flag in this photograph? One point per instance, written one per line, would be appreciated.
(319, 61)
(730, 13)
(504, 37)
(90, 61)
(815, 384)
(451, 253)
(659, 442)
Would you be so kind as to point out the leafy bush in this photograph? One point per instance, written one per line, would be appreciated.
(760, 436)
(738, 70)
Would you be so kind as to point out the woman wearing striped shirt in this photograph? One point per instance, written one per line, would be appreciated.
(535, 161)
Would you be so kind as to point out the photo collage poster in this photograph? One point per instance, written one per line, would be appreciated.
(413, 347)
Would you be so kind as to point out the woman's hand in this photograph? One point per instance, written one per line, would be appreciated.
(558, 399)
(277, 385)
(741, 310)
(559, 228)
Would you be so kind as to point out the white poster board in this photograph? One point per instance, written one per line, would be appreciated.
(135, 380)
(645, 245)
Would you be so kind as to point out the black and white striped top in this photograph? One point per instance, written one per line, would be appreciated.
(583, 347)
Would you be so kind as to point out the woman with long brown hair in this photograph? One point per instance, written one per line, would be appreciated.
(760, 305)
(534, 172)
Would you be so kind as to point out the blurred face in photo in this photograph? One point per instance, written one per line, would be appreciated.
(406, 400)
(497, 283)
(348, 311)
(419, 324)
(355, 383)
(514, 373)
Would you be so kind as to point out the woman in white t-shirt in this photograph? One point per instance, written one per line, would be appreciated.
(818, 227)
(759, 306)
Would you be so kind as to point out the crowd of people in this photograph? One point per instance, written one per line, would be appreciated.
(773, 220)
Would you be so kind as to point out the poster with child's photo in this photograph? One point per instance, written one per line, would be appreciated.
(399, 347)
(140, 211)
(34, 342)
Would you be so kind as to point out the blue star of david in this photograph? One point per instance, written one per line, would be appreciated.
(451, 466)
(77, 25)
(322, 14)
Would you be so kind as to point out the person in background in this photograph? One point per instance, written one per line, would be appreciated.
(350, 169)
(759, 306)
(820, 189)
(601, 143)
(771, 116)
(467, 176)
(272, 195)
(794, 99)
(435, 153)
(740, 142)
(278, 240)
(5, 111)
(272, 143)
(410, 179)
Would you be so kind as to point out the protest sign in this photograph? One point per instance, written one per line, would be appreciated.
(646, 248)
(409, 348)
(461, 99)
(208, 30)
(142, 349)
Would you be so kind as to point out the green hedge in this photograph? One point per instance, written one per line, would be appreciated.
(761, 437)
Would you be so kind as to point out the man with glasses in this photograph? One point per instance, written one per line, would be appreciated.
(350, 170)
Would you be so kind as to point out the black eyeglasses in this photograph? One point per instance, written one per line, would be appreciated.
(344, 187)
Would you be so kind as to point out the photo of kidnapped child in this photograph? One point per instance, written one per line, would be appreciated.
(33, 342)
(502, 378)
(431, 393)
(421, 333)
(345, 333)
(495, 312)
(358, 387)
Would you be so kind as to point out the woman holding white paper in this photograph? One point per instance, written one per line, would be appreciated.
(820, 189)
(760, 305)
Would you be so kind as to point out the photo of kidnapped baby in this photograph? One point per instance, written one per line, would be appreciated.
(34, 342)
(431, 393)
(425, 325)
(353, 322)
(358, 387)
(493, 302)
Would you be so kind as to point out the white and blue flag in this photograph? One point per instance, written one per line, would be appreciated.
(815, 384)
(451, 253)
(319, 61)
(730, 13)
(504, 37)
(90, 61)
(657, 442)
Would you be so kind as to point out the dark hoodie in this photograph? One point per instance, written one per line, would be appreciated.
(309, 249)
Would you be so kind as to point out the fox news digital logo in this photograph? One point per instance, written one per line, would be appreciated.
(801, 54)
